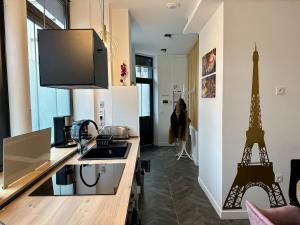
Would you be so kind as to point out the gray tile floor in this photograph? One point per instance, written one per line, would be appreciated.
(172, 195)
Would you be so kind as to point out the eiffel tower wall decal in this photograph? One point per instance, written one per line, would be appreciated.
(250, 174)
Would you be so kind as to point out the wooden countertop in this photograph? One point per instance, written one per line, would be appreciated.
(95, 209)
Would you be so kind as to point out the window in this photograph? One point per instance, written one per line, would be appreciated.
(144, 82)
(55, 12)
(144, 99)
(143, 72)
(46, 103)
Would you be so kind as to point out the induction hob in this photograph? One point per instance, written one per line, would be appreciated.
(83, 179)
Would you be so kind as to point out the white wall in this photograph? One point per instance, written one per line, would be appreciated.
(86, 103)
(274, 26)
(125, 111)
(121, 43)
(171, 70)
(155, 100)
(210, 113)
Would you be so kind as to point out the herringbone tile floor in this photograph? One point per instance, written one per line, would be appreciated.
(172, 195)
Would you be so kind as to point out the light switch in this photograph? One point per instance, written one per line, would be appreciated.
(280, 91)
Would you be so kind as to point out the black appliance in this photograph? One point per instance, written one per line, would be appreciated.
(62, 132)
(83, 179)
(75, 58)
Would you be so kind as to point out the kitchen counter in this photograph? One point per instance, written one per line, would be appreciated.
(92, 209)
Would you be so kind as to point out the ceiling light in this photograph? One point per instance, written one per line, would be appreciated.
(172, 5)
(163, 50)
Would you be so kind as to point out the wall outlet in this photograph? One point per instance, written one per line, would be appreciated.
(279, 178)
(280, 91)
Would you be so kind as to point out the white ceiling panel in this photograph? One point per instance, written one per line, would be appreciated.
(151, 19)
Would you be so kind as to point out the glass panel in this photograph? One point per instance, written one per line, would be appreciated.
(55, 10)
(145, 99)
(63, 102)
(47, 106)
(145, 72)
(138, 71)
(23, 153)
(33, 74)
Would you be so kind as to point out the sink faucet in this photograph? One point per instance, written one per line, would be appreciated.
(85, 123)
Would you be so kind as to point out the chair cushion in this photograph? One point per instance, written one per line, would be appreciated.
(287, 215)
(256, 217)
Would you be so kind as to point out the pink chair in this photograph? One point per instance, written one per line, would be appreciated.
(287, 215)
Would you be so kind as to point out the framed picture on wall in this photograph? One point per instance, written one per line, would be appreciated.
(209, 63)
(209, 87)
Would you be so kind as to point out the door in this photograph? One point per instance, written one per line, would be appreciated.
(144, 82)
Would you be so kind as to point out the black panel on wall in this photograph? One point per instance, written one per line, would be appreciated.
(4, 107)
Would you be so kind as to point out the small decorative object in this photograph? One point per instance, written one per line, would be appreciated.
(123, 73)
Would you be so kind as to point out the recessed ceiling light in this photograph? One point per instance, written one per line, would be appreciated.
(163, 50)
(172, 5)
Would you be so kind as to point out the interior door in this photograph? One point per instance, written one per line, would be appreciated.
(144, 82)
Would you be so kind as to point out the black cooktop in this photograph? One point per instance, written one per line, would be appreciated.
(83, 179)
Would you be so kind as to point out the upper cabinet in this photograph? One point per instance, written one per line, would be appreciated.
(71, 59)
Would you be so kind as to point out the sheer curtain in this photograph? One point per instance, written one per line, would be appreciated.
(193, 76)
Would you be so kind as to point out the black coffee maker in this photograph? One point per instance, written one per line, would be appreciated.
(62, 132)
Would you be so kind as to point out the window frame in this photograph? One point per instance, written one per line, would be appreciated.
(143, 63)
(38, 17)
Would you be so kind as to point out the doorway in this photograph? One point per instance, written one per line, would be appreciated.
(144, 83)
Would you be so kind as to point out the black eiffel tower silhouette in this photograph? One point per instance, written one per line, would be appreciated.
(251, 174)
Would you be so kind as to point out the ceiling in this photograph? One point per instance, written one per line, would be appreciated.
(151, 19)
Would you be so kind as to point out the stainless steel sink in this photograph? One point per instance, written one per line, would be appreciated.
(117, 150)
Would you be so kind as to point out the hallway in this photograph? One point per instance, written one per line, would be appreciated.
(172, 195)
